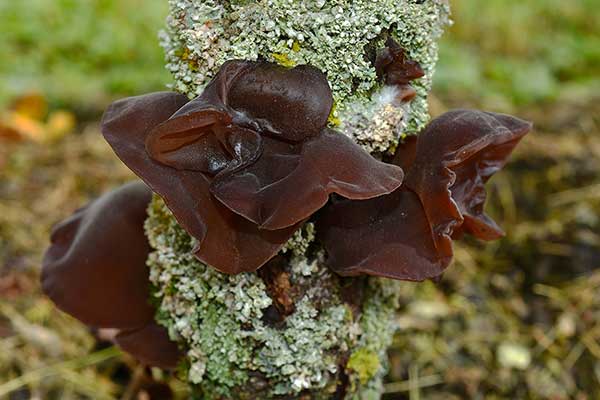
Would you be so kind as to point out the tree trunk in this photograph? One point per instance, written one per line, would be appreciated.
(294, 329)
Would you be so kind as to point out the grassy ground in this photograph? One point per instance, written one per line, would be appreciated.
(516, 319)
(80, 54)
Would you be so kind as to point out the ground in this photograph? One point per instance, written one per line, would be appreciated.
(514, 319)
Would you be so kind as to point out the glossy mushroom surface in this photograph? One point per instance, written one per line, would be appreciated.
(246, 163)
(95, 270)
(408, 234)
(455, 156)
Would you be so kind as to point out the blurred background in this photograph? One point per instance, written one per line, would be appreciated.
(514, 319)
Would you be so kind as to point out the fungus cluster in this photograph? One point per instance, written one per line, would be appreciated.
(246, 164)
(95, 270)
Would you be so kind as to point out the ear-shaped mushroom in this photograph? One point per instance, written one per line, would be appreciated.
(95, 268)
(408, 234)
(289, 104)
(388, 236)
(293, 104)
(289, 182)
(244, 164)
(150, 345)
(232, 244)
(455, 156)
(200, 136)
(393, 65)
(301, 163)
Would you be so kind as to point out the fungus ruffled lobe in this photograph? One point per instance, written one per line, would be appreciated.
(408, 234)
(95, 270)
(245, 164)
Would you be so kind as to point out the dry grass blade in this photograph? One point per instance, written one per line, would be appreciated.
(59, 369)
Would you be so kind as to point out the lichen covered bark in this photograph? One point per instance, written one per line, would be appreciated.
(294, 328)
(339, 37)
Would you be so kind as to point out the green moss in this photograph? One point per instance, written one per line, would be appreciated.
(365, 363)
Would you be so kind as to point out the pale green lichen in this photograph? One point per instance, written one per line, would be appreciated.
(233, 352)
(337, 36)
(376, 125)
(299, 243)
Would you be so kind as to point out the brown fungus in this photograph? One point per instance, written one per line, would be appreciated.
(245, 163)
(95, 270)
(293, 104)
(150, 345)
(231, 243)
(396, 69)
(290, 182)
(408, 234)
(462, 149)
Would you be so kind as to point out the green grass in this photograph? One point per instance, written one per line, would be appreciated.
(514, 53)
(81, 54)
(500, 53)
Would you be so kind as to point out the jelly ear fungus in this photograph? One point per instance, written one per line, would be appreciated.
(408, 234)
(246, 163)
(95, 270)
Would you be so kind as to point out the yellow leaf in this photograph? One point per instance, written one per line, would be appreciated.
(31, 105)
(26, 126)
(60, 123)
